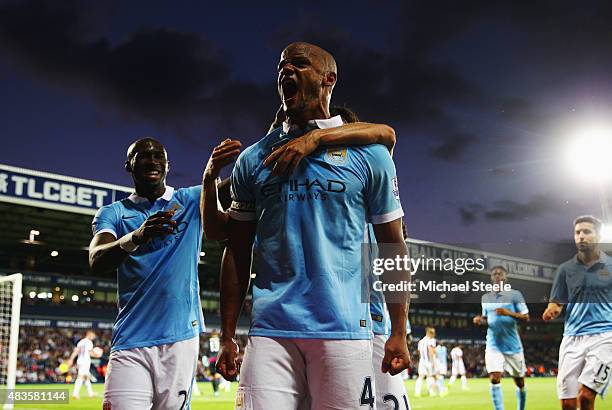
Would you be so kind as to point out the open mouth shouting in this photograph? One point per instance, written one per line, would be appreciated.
(289, 89)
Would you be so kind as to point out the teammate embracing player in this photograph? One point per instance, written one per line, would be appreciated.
(584, 285)
(504, 350)
(307, 342)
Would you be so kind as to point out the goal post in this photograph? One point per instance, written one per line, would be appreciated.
(10, 308)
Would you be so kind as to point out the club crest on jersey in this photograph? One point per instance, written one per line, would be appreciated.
(174, 207)
(336, 156)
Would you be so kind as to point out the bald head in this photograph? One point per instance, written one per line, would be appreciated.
(328, 63)
(143, 144)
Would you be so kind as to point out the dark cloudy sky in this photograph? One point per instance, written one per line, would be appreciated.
(482, 94)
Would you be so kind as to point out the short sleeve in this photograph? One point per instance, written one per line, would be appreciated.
(105, 221)
(559, 293)
(242, 191)
(519, 303)
(382, 188)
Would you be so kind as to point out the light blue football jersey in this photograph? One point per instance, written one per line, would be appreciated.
(310, 230)
(502, 333)
(588, 295)
(441, 356)
(159, 294)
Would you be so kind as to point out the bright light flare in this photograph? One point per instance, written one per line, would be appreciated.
(606, 234)
(589, 154)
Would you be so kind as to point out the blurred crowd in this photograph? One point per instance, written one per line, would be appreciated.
(43, 353)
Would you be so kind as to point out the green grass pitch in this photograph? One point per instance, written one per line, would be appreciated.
(541, 395)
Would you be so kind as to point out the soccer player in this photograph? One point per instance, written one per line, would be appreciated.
(442, 366)
(457, 367)
(504, 350)
(584, 285)
(310, 332)
(83, 353)
(152, 239)
(213, 347)
(390, 390)
(427, 363)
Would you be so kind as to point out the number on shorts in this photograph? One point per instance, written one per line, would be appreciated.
(183, 393)
(367, 398)
(396, 405)
(602, 373)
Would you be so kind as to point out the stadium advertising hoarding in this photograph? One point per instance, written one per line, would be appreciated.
(50, 279)
(59, 192)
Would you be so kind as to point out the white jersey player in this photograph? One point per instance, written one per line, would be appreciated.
(83, 352)
(457, 367)
(427, 362)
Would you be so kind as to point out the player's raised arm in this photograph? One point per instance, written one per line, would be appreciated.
(214, 220)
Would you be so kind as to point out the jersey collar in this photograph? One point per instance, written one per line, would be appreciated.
(335, 121)
(603, 258)
(167, 196)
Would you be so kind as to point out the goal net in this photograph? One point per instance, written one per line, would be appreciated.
(10, 306)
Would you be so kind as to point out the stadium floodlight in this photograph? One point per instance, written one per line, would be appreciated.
(588, 154)
(10, 308)
(33, 234)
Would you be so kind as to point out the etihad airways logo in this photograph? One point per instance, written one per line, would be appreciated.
(303, 189)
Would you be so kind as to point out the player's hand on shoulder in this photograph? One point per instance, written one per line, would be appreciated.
(397, 356)
(222, 155)
(159, 224)
(285, 159)
(477, 320)
(227, 359)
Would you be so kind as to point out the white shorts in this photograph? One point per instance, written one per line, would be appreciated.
(157, 377)
(442, 368)
(458, 369)
(83, 368)
(294, 374)
(390, 390)
(585, 360)
(496, 361)
(427, 369)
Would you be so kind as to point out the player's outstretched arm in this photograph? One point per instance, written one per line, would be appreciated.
(235, 278)
(390, 238)
(215, 220)
(287, 157)
(106, 252)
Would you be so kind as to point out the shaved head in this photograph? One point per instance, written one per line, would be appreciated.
(327, 61)
(142, 144)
